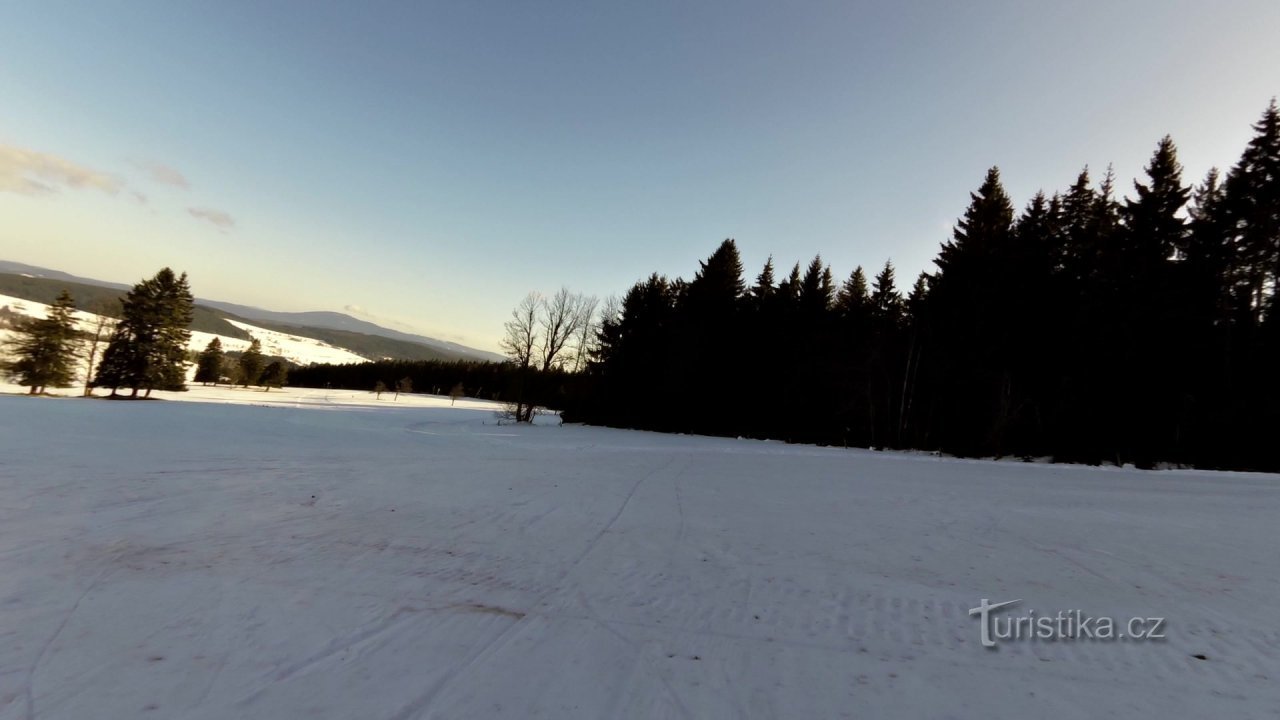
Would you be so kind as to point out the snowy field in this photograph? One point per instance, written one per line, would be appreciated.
(325, 555)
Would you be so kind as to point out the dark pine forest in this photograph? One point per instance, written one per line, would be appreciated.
(1084, 326)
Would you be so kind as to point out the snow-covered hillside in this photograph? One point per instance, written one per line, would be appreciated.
(297, 349)
(336, 556)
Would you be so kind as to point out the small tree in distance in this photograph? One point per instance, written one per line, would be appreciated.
(379, 388)
(251, 364)
(231, 370)
(455, 393)
(403, 385)
(209, 366)
(274, 374)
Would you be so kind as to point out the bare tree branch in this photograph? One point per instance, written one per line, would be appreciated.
(560, 319)
(588, 324)
(521, 339)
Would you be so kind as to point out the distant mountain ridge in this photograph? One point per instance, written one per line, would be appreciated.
(331, 320)
(360, 336)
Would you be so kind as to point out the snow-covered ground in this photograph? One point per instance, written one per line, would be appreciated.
(295, 348)
(335, 556)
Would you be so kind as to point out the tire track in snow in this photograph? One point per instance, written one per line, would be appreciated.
(421, 706)
(641, 660)
(595, 541)
(333, 647)
(29, 688)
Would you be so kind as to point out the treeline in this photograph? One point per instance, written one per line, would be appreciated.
(139, 346)
(503, 382)
(1085, 328)
(248, 367)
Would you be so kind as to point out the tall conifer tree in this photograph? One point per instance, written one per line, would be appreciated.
(44, 348)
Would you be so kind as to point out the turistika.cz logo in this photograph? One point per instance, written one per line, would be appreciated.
(1065, 625)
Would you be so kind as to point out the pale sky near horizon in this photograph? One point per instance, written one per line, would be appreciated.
(427, 164)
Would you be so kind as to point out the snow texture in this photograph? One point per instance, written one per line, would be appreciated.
(305, 553)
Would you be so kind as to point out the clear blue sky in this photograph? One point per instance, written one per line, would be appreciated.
(430, 163)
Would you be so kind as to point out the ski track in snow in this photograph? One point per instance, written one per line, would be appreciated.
(319, 553)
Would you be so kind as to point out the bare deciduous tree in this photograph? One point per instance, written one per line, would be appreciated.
(98, 331)
(521, 340)
(548, 333)
(520, 344)
(588, 324)
(561, 315)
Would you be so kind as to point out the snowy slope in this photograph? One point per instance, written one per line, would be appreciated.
(295, 348)
(334, 556)
(31, 308)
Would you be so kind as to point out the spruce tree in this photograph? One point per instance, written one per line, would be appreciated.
(886, 301)
(1253, 206)
(177, 307)
(789, 289)
(1208, 241)
(918, 295)
(718, 281)
(1145, 308)
(209, 366)
(1154, 229)
(708, 320)
(251, 362)
(1251, 209)
(966, 307)
(148, 348)
(853, 298)
(816, 293)
(1078, 223)
(44, 348)
(273, 375)
(765, 285)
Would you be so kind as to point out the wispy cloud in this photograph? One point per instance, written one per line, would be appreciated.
(28, 172)
(219, 218)
(165, 175)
